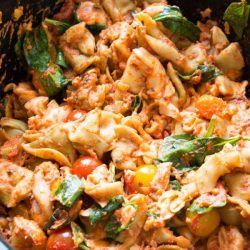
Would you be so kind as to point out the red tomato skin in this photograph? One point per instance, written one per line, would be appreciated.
(61, 240)
(85, 165)
(76, 115)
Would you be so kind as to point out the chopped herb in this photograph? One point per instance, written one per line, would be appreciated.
(237, 15)
(36, 49)
(195, 208)
(136, 102)
(172, 18)
(208, 73)
(149, 214)
(113, 228)
(62, 26)
(175, 185)
(96, 214)
(69, 190)
(60, 60)
(210, 128)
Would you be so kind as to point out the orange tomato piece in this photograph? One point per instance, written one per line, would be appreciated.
(208, 106)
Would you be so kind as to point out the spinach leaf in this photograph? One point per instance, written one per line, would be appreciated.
(36, 49)
(195, 208)
(237, 15)
(96, 28)
(61, 26)
(60, 60)
(53, 80)
(113, 228)
(208, 73)
(96, 214)
(69, 190)
(187, 152)
(175, 185)
(172, 18)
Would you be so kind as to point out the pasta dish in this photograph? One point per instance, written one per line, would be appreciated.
(130, 132)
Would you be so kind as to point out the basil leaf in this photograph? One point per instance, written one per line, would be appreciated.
(53, 80)
(62, 26)
(237, 15)
(208, 73)
(195, 208)
(175, 185)
(60, 60)
(172, 18)
(96, 28)
(69, 190)
(36, 49)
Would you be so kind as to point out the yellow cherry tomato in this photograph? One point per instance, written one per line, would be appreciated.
(203, 224)
(143, 176)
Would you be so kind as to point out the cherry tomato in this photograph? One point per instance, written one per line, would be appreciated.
(203, 224)
(61, 240)
(85, 165)
(143, 176)
(75, 115)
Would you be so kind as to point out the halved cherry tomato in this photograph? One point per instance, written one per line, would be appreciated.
(76, 115)
(143, 176)
(208, 106)
(61, 240)
(85, 165)
(203, 224)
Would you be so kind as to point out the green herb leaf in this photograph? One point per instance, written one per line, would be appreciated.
(96, 214)
(175, 185)
(69, 190)
(62, 26)
(96, 28)
(36, 49)
(237, 15)
(149, 214)
(210, 128)
(113, 228)
(172, 18)
(136, 102)
(195, 208)
(187, 152)
(60, 60)
(53, 80)
(208, 73)
(19, 46)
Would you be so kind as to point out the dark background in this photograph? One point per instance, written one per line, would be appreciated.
(11, 70)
